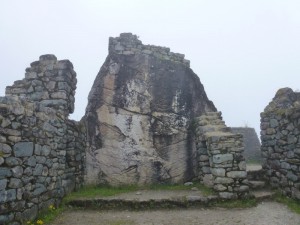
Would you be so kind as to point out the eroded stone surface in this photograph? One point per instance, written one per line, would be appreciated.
(140, 107)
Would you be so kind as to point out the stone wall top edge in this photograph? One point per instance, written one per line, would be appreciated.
(243, 128)
(285, 101)
(51, 59)
(280, 111)
(129, 44)
(50, 82)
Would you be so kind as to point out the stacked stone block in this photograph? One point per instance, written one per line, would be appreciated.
(42, 154)
(50, 82)
(206, 123)
(128, 44)
(280, 136)
(220, 154)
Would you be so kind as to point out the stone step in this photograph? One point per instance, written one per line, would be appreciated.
(255, 184)
(255, 172)
(253, 167)
(190, 201)
(261, 195)
(137, 204)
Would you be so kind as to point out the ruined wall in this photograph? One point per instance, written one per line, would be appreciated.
(252, 151)
(41, 152)
(280, 136)
(221, 164)
(138, 116)
(128, 44)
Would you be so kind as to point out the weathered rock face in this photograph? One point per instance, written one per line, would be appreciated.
(139, 111)
(252, 151)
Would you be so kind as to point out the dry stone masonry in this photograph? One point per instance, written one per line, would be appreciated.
(280, 136)
(50, 82)
(220, 157)
(148, 120)
(128, 44)
(42, 154)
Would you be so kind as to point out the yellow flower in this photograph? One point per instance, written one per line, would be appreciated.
(39, 222)
(28, 222)
(51, 207)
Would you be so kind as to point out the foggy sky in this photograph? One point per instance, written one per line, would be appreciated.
(243, 51)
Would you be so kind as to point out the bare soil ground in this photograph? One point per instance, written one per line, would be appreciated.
(144, 195)
(266, 213)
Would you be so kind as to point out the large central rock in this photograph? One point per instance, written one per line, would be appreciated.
(140, 116)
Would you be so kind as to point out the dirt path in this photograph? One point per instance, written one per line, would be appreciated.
(266, 213)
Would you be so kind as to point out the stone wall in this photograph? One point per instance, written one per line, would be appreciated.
(42, 154)
(252, 151)
(220, 157)
(280, 136)
(128, 44)
(138, 129)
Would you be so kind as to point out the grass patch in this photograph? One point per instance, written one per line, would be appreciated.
(240, 203)
(206, 191)
(100, 191)
(106, 191)
(48, 215)
(294, 205)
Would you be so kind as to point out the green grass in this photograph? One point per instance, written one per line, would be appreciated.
(206, 191)
(100, 191)
(106, 191)
(48, 216)
(294, 205)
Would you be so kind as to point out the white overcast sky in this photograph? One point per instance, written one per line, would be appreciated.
(242, 50)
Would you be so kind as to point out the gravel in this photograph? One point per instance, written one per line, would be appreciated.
(266, 213)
